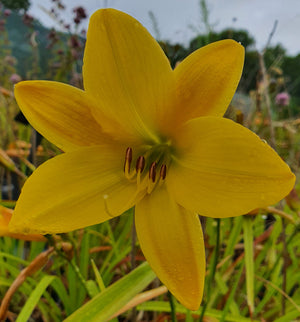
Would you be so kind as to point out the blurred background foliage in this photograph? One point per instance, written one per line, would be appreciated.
(51, 44)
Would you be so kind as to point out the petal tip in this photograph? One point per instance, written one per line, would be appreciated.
(105, 12)
(292, 180)
(20, 86)
(191, 302)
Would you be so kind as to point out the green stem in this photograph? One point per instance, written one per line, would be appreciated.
(213, 270)
(133, 316)
(249, 261)
(279, 257)
(284, 268)
(173, 309)
(76, 269)
(133, 244)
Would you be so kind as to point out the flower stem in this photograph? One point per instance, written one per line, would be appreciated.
(133, 244)
(173, 309)
(74, 266)
(284, 268)
(213, 270)
(133, 316)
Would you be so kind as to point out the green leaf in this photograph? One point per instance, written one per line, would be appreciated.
(114, 297)
(34, 298)
(98, 277)
(231, 295)
(64, 297)
(234, 236)
(249, 260)
(161, 306)
(289, 316)
(92, 288)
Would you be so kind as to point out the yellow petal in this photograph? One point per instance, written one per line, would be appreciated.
(5, 217)
(207, 80)
(172, 242)
(59, 112)
(222, 169)
(74, 190)
(126, 70)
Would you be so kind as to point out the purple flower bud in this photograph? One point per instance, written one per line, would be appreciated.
(7, 12)
(282, 99)
(15, 78)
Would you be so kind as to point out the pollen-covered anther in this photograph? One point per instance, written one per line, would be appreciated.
(140, 164)
(128, 160)
(163, 172)
(152, 171)
(139, 167)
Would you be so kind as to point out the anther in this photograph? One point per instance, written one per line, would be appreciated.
(140, 164)
(163, 172)
(152, 171)
(128, 159)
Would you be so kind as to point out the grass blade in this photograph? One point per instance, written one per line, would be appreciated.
(34, 298)
(113, 298)
(249, 261)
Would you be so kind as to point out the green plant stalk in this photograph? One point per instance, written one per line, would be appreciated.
(231, 295)
(133, 258)
(284, 268)
(34, 298)
(213, 269)
(113, 298)
(172, 306)
(99, 279)
(249, 261)
(71, 262)
(162, 306)
(279, 257)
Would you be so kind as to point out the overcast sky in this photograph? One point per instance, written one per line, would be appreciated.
(175, 17)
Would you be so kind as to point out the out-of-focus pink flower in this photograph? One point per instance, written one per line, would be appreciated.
(15, 78)
(282, 99)
(7, 12)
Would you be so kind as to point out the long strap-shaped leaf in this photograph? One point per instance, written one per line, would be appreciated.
(113, 298)
(249, 261)
(34, 298)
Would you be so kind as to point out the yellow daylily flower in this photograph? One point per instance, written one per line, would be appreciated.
(5, 217)
(144, 135)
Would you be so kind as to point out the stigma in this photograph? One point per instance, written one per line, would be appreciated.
(150, 169)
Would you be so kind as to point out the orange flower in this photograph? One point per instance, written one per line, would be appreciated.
(5, 217)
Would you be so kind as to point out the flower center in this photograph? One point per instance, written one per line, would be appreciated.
(150, 167)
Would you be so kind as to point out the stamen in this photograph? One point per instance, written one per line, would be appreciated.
(128, 159)
(152, 171)
(139, 175)
(163, 172)
(152, 177)
(140, 164)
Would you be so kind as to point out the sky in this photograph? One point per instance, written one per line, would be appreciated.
(180, 20)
